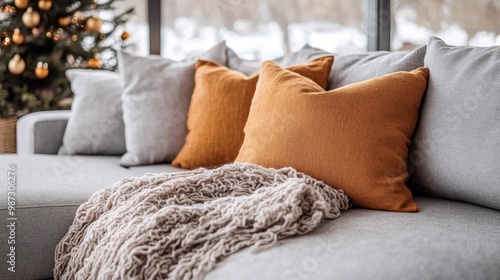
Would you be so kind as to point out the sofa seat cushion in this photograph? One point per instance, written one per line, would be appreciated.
(48, 180)
(445, 240)
(49, 190)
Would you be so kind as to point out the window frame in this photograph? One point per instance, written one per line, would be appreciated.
(378, 24)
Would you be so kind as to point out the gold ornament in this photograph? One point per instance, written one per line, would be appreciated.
(48, 34)
(17, 65)
(31, 18)
(35, 31)
(9, 10)
(6, 41)
(17, 37)
(95, 62)
(125, 35)
(42, 70)
(64, 21)
(44, 5)
(21, 4)
(93, 24)
(76, 17)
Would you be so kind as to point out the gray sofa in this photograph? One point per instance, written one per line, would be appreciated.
(444, 240)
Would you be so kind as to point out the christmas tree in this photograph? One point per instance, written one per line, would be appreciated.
(41, 39)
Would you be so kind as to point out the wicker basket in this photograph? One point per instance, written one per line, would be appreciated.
(8, 135)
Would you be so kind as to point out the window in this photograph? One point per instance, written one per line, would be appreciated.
(464, 22)
(137, 26)
(262, 29)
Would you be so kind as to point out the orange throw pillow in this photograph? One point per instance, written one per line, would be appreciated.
(353, 138)
(219, 110)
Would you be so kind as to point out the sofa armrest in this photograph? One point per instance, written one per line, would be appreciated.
(41, 132)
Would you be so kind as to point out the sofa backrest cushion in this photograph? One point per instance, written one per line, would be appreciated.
(156, 97)
(354, 138)
(219, 111)
(251, 67)
(353, 68)
(456, 149)
(348, 68)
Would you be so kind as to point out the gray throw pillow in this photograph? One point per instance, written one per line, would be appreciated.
(156, 97)
(95, 125)
(347, 68)
(353, 68)
(250, 67)
(456, 147)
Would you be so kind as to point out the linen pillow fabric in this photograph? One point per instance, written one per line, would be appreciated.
(250, 67)
(353, 68)
(353, 138)
(219, 110)
(156, 98)
(456, 149)
(95, 125)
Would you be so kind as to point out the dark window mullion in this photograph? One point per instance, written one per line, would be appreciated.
(154, 21)
(378, 25)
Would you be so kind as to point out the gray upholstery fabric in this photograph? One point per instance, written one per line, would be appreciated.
(456, 148)
(50, 189)
(156, 98)
(250, 67)
(445, 240)
(54, 128)
(96, 123)
(347, 68)
(41, 132)
(353, 68)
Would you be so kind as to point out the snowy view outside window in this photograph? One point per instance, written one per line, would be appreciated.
(263, 29)
(457, 22)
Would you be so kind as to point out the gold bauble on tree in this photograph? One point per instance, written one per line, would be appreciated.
(6, 42)
(125, 35)
(5, 39)
(31, 18)
(95, 62)
(35, 31)
(78, 17)
(17, 65)
(8, 9)
(44, 5)
(42, 70)
(93, 24)
(21, 4)
(17, 37)
(64, 21)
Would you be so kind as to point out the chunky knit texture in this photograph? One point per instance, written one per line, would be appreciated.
(178, 225)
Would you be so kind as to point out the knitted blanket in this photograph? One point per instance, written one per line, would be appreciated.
(178, 225)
